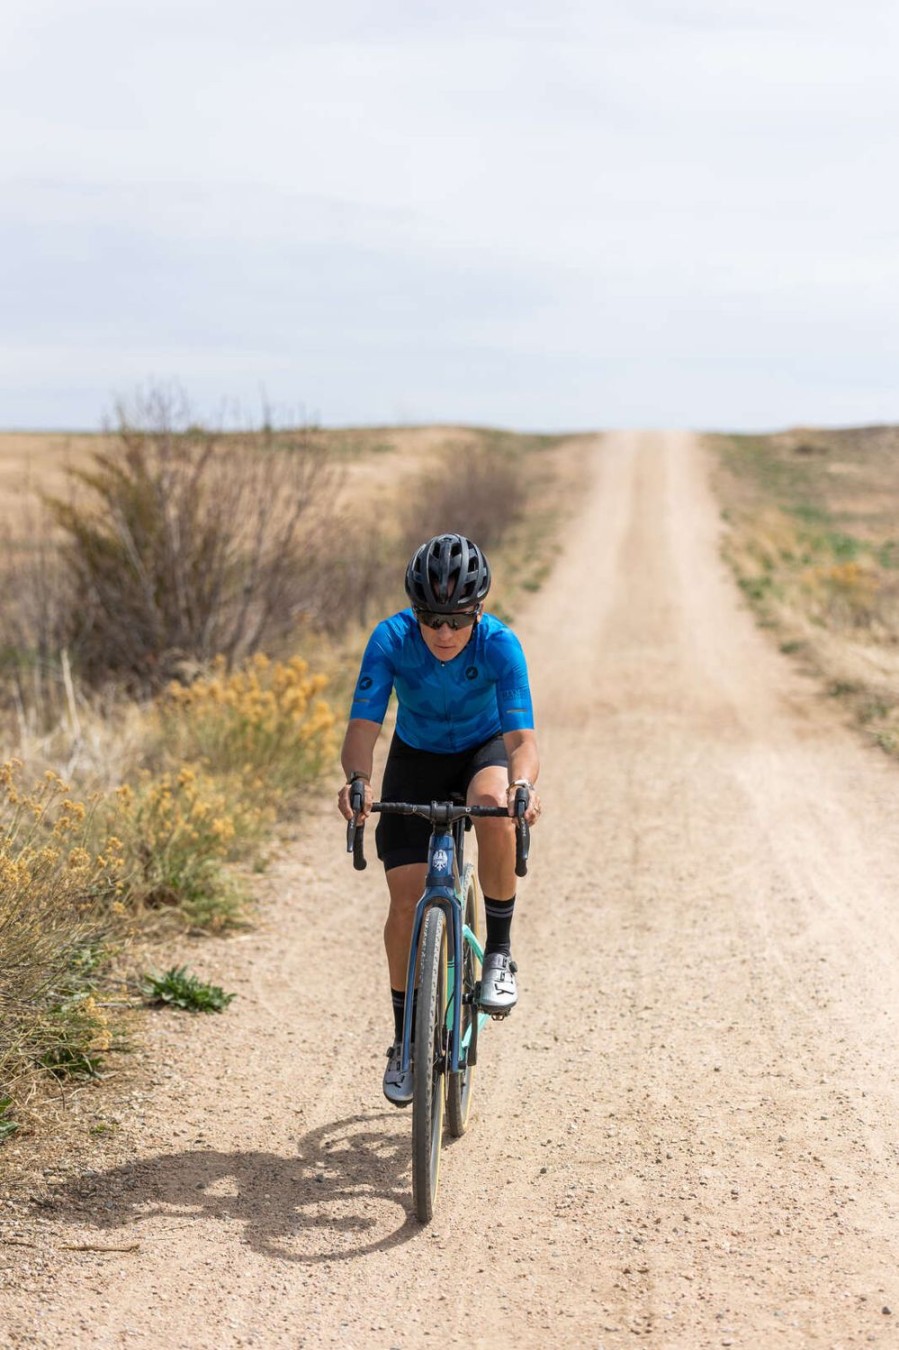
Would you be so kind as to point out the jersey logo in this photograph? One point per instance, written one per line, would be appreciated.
(366, 682)
(440, 860)
(471, 673)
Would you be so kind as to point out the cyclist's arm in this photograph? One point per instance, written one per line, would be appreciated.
(366, 714)
(524, 763)
(357, 757)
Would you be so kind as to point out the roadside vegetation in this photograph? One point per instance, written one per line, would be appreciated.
(177, 988)
(813, 540)
(184, 609)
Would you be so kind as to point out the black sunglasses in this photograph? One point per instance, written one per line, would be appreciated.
(454, 621)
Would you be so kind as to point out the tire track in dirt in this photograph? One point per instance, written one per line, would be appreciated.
(686, 1134)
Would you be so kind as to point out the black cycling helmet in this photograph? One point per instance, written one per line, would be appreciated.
(447, 574)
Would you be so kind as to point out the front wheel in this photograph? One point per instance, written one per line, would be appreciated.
(430, 1066)
(459, 1085)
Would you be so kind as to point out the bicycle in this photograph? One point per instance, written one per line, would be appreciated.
(446, 953)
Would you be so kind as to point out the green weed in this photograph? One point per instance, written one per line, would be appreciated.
(756, 588)
(176, 988)
(8, 1126)
(842, 688)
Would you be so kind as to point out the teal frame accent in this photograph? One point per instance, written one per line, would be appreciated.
(451, 900)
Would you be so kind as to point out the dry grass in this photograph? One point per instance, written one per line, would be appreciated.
(814, 543)
(58, 893)
(230, 754)
(33, 462)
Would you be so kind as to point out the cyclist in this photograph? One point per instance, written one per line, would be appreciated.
(464, 724)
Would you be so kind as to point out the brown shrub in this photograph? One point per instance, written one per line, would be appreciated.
(33, 619)
(478, 491)
(181, 544)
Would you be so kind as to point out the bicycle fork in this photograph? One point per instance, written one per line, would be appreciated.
(438, 891)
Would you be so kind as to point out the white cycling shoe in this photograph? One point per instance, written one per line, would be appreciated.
(397, 1085)
(499, 992)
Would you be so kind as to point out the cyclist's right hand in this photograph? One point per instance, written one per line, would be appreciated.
(344, 803)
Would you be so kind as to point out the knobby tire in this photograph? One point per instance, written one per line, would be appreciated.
(430, 1060)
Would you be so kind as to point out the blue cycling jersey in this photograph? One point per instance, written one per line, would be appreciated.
(445, 706)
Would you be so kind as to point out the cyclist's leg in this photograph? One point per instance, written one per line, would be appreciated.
(403, 849)
(486, 786)
(496, 872)
(496, 838)
(405, 884)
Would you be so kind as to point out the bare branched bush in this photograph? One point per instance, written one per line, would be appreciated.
(477, 491)
(33, 620)
(181, 544)
(359, 572)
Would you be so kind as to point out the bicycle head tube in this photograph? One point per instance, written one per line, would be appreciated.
(441, 860)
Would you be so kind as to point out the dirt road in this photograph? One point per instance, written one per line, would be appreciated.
(687, 1133)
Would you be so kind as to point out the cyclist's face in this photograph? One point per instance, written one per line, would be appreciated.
(445, 642)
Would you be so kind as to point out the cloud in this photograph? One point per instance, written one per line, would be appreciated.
(498, 206)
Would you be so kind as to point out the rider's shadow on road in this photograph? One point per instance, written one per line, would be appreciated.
(344, 1193)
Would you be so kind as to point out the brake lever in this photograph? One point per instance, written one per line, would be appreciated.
(522, 832)
(355, 833)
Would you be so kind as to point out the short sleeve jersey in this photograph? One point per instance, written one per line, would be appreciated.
(445, 706)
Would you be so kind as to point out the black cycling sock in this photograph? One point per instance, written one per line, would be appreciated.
(398, 998)
(499, 925)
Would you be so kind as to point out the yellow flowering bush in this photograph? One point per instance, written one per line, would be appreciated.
(845, 593)
(56, 893)
(235, 748)
(267, 720)
(179, 831)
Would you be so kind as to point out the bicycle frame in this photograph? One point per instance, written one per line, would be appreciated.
(443, 887)
(443, 865)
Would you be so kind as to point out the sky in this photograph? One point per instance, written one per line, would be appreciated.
(546, 215)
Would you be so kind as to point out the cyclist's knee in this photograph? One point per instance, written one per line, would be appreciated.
(488, 788)
(405, 885)
(488, 794)
(496, 833)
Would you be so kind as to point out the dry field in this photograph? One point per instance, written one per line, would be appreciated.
(382, 487)
(814, 541)
(374, 463)
(33, 462)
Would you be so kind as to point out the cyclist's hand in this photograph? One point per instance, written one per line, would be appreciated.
(534, 806)
(343, 802)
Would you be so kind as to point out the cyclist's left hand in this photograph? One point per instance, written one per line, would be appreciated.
(534, 807)
(343, 803)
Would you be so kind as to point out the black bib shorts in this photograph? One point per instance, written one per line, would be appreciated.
(412, 775)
